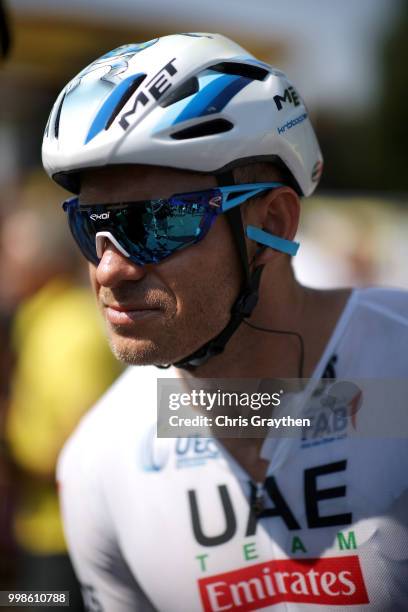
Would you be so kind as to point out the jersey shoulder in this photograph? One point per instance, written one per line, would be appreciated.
(372, 336)
(391, 303)
(128, 405)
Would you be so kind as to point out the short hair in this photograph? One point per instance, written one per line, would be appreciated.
(265, 172)
(258, 172)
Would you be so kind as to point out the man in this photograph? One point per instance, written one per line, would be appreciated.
(190, 156)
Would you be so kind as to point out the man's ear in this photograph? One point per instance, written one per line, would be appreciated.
(277, 213)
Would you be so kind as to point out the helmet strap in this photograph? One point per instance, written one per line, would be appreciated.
(246, 300)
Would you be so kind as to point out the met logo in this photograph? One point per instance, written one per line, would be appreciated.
(153, 91)
(290, 95)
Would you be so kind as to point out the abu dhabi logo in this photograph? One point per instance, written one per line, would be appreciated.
(333, 409)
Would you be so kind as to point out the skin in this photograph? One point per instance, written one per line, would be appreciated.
(160, 313)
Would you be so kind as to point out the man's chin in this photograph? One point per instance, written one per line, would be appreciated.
(133, 352)
(141, 352)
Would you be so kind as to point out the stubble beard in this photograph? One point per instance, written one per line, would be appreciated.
(176, 336)
(182, 327)
(174, 341)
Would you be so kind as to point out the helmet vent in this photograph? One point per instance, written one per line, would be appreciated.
(186, 89)
(248, 71)
(57, 117)
(207, 128)
(126, 96)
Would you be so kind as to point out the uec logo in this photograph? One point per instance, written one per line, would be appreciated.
(154, 451)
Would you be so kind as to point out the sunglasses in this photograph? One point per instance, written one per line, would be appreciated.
(151, 230)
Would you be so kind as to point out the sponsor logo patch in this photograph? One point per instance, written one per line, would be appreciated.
(192, 452)
(331, 581)
(317, 171)
(96, 217)
(292, 123)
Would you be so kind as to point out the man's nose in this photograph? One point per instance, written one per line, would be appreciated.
(114, 267)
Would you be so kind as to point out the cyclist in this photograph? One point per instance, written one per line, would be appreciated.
(190, 156)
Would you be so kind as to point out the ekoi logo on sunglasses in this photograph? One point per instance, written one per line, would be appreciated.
(96, 217)
(327, 581)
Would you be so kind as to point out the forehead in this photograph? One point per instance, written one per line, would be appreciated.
(122, 183)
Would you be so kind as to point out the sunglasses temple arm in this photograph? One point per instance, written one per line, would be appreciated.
(240, 199)
(270, 240)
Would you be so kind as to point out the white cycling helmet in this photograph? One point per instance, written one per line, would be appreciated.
(190, 101)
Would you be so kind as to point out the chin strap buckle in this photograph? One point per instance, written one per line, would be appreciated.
(248, 299)
(245, 304)
(241, 309)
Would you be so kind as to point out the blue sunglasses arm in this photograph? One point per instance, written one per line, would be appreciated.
(250, 190)
(275, 242)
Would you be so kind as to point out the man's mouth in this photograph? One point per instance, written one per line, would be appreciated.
(118, 314)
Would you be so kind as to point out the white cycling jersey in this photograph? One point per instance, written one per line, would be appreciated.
(166, 524)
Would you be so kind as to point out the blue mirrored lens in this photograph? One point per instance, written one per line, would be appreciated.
(161, 227)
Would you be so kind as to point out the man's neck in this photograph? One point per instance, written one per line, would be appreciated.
(287, 307)
(284, 306)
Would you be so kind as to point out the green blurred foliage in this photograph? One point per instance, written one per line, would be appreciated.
(369, 152)
(392, 114)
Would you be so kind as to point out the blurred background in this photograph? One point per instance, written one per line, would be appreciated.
(348, 59)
